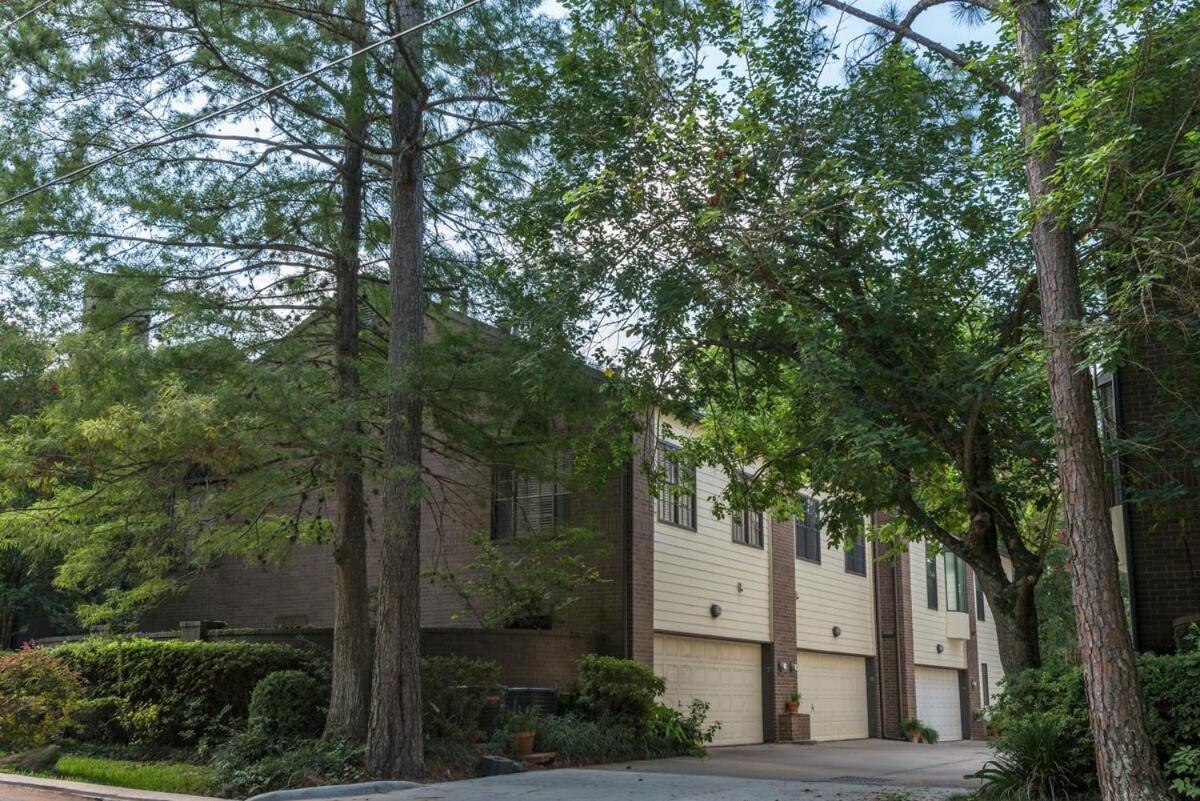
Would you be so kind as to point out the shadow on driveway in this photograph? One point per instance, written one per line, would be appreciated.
(885, 762)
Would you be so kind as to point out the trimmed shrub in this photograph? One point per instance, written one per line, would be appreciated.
(98, 720)
(288, 703)
(38, 694)
(617, 688)
(183, 693)
(453, 691)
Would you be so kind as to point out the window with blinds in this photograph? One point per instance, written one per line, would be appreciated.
(856, 555)
(677, 501)
(931, 582)
(525, 504)
(808, 530)
(980, 602)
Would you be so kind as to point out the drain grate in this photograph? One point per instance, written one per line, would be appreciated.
(859, 780)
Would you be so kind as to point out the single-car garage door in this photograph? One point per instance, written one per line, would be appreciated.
(728, 675)
(833, 690)
(938, 703)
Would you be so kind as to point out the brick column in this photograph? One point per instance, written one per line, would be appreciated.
(893, 592)
(639, 556)
(978, 727)
(783, 626)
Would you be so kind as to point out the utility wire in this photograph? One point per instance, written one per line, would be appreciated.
(31, 11)
(254, 98)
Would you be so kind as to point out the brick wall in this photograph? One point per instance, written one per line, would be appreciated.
(639, 555)
(783, 627)
(978, 730)
(526, 658)
(1164, 535)
(458, 506)
(897, 682)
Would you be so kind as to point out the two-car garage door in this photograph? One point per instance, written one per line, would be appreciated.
(939, 704)
(728, 675)
(834, 692)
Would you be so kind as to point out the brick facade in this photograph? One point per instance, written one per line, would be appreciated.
(897, 680)
(1164, 535)
(978, 729)
(783, 627)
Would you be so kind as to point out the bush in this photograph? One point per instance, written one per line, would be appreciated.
(254, 762)
(620, 689)
(38, 694)
(1183, 771)
(183, 693)
(579, 739)
(1055, 696)
(673, 733)
(99, 720)
(1033, 763)
(453, 691)
(288, 703)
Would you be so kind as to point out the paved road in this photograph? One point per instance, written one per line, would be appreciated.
(9, 793)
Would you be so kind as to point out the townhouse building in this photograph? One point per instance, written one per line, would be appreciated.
(741, 611)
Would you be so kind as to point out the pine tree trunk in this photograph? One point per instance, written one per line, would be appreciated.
(349, 703)
(1125, 759)
(395, 743)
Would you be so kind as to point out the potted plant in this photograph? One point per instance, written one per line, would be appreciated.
(912, 730)
(523, 728)
(793, 703)
(929, 735)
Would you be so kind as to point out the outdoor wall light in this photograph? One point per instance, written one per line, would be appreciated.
(941, 648)
(783, 666)
(715, 610)
(794, 667)
(837, 631)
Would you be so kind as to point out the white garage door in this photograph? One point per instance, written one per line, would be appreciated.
(938, 702)
(726, 674)
(834, 692)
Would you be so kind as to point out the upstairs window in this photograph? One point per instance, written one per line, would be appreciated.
(856, 555)
(956, 584)
(524, 504)
(980, 601)
(808, 530)
(677, 502)
(748, 528)
(987, 685)
(931, 581)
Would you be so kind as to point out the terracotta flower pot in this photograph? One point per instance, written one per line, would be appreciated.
(792, 707)
(523, 743)
(914, 736)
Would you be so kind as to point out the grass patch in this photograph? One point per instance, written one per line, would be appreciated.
(164, 777)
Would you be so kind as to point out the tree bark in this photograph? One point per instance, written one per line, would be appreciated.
(1016, 618)
(349, 702)
(395, 746)
(1125, 759)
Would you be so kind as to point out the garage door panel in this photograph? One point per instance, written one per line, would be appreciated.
(834, 691)
(939, 703)
(727, 675)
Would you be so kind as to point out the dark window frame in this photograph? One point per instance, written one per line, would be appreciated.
(668, 507)
(808, 531)
(748, 521)
(504, 525)
(980, 601)
(956, 584)
(985, 684)
(856, 555)
(931, 582)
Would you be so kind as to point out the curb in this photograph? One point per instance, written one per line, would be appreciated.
(334, 791)
(102, 792)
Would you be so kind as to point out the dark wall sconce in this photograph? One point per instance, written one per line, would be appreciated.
(941, 648)
(837, 631)
(715, 611)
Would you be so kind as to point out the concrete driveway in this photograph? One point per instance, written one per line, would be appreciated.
(885, 762)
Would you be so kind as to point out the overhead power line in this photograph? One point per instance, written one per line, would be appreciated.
(247, 101)
(20, 17)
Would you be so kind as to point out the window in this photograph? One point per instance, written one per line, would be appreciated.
(527, 504)
(956, 584)
(856, 555)
(980, 601)
(808, 531)
(983, 681)
(677, 502)
(748, 528)
(931, 588)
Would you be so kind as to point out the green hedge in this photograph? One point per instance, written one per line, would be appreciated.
(183, 693)
(1170, 687)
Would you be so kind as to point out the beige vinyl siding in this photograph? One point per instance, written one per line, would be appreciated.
(989, 653)
(695, 569)
(828, 596)
(929, 625)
